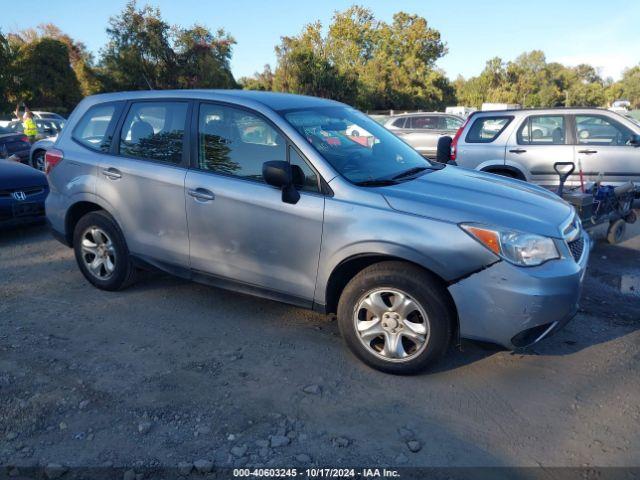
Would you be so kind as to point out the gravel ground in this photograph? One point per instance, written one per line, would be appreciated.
(168, 373)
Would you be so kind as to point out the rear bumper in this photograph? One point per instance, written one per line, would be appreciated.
(516, 306)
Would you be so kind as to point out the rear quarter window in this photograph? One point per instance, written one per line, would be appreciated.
(487, 129)
(94, 130)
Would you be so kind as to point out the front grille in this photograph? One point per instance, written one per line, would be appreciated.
(29, 191)
(576, 247)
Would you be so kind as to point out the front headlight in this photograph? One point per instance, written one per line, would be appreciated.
(519, 248)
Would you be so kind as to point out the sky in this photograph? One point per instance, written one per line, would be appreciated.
(604, 34)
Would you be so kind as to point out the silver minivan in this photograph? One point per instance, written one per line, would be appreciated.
(274, 195)
(525, 144)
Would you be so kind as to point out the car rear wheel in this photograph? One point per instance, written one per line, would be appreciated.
(396, 317)
(101, 252)
(37, 160)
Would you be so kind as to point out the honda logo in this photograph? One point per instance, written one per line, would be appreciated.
(20, 196)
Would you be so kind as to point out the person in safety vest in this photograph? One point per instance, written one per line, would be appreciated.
(28, 125)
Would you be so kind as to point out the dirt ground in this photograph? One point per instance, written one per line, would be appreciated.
(168, 373)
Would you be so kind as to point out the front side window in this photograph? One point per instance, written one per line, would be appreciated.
(92, 129)
(154, 131)
(487, 129)
(542, 130)
(599, 130)
(232, 141)
(373, 154)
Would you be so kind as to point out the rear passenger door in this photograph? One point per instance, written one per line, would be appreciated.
(240, 229)
(539, 142)
(142, 179)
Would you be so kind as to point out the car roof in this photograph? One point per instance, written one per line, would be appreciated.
(273, 100)
(540, 110)
(419, 114)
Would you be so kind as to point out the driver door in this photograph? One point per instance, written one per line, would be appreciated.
(603, 146)
(240, 230)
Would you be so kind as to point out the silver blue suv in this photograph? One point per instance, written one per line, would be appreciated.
(270, 194)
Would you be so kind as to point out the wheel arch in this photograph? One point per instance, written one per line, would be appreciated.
(348, 268)
(510, 169)
(74, 213)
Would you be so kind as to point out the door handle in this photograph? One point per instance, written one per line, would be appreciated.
(112, 173)
(587, 152)
(201, 194)
(518, 150)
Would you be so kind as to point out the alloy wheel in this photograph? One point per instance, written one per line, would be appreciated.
(391, 324)
(98, 253)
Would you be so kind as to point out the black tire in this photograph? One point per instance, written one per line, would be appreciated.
(616, 231)
(37, 160)
(124, 272)
(423, 289)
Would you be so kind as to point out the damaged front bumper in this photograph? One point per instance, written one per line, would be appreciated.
(519, 306)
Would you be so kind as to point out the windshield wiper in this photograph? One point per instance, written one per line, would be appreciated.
(408, 173)
(380, 182)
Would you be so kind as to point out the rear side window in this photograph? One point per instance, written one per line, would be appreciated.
(233, 141)
(487, 129)
(542, 130)
(426, 123)
(92, 130)
(399, 123)
(154, 131)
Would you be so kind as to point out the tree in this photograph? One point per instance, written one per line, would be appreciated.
(138, 54)
(80, 58)
(44, 76)
(365, 62)
(260, 80)
(145, 52)
(630, 86)
(203, 58)
(532, 82)
(6, 76)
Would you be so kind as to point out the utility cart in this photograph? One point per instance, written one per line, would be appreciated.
(597, 204)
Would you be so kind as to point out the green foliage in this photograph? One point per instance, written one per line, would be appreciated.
(532, 82)
(44, 76)
(6, 76)
(145, 52)
(629, 86)
(260, 80)
(363, 61)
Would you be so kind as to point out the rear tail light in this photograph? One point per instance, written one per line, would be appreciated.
(52, 158)
(456, 137)
(24, 139)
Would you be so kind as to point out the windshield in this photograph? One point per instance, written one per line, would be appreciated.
(359, 148)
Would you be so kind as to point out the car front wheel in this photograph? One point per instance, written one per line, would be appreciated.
(396, 317)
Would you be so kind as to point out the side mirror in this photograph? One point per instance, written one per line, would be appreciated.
(279, 174)
(635, 140)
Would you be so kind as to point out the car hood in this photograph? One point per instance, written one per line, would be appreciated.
(460, 195)
(16, 175)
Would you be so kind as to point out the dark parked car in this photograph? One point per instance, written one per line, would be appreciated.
(46, 127)
(23, 191)
(12, 143)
